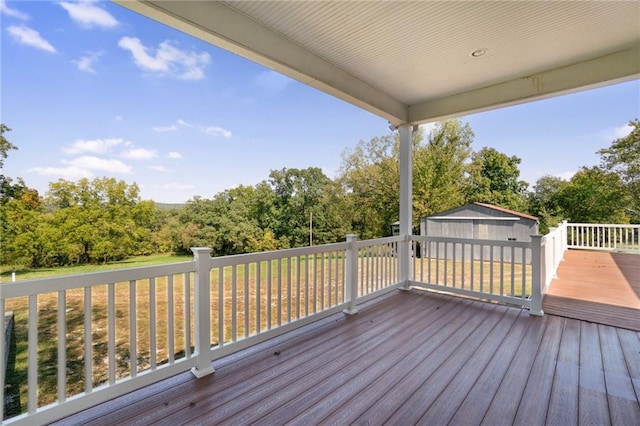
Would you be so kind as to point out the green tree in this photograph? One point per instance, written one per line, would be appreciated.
(5, 145)
(594, 195)
(494, 178)
(305, 196)
(370, 175)
(439, 168)
(623, 158)
(100, 220)
(545, 202)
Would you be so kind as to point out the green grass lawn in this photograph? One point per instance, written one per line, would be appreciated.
(32, 274)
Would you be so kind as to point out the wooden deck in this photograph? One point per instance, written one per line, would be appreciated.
(410, 358)
(598, 287)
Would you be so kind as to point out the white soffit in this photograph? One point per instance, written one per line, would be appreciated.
(411, 61)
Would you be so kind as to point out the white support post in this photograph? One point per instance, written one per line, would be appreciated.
(406, 204)
(202, 314)
(536, 276)
(352, 275)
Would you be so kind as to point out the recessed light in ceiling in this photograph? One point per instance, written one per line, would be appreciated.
(478, 53)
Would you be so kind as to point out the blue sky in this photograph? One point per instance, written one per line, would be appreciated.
(91, 89)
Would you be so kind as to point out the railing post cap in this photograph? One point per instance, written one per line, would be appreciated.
(201, 250)
(536, 236)
(352, 237)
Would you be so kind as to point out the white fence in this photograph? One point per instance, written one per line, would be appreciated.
(88, 338)
(503, 271)
(622, 238)
(554, 244)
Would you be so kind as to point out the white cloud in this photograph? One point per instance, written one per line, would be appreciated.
(159, 169)
(174, 155)
(86, 62)
(69, 173)
(139, 154)
(96, 163)
(14, 13)
(183, 123)
(30, 37)
(622, 131)
(177, 186)
(118, 118)
(217, 131)
(88, 14)
(272, 81)
(165, 128)
(95, 146)
(167, 59)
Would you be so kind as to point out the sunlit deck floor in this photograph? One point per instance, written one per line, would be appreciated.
(412, 357)
(599, 287)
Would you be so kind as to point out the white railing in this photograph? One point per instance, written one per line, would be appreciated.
(623, 238)
(554, 244)
(88, 338)
(502, 271)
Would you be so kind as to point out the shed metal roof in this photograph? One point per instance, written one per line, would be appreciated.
(411, 61)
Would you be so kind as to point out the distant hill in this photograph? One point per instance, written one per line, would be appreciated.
(167, 206)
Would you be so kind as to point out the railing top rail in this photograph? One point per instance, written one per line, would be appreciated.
(608, 225)
(474, 241)
(66, 282)
(239, 259)
(376, 241)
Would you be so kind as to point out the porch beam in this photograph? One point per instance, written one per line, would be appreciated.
(590, 74)
(406, 177)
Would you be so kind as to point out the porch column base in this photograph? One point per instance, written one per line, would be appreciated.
(199, 373)
(534, 313)
(351, 311)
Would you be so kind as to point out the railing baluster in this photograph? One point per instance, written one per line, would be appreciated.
(111, 331)
(279, 291)
(170, 321)
(269, 320)
(32, 374)
(258, 299)
(513, 270)
(306, 287)
(289, 290)
(330, 281)
(298, 277)
(247, 310)
(152, 323)
(62, 347)
(88, 342)
(481, 268)
(234, 304)
(187, 314)
(133, 326)
(322, 289)
(501, 270)
(221, 308)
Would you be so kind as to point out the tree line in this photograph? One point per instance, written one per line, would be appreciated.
(105, 219)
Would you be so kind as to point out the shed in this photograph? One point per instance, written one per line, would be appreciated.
(480, 221)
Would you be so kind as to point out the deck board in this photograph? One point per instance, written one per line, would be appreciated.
(416, 357)
(597, 286)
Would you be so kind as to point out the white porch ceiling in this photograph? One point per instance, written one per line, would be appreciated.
(411, 61)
